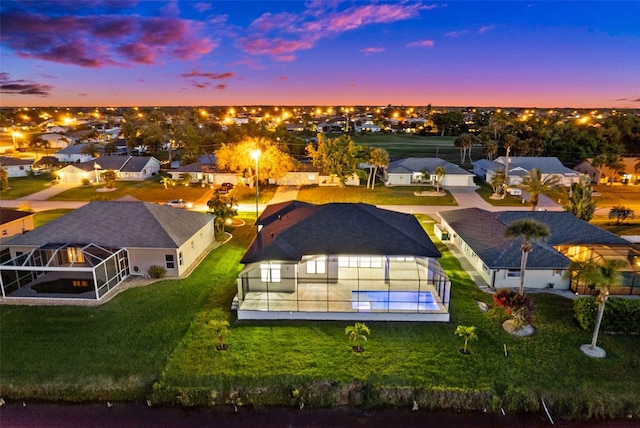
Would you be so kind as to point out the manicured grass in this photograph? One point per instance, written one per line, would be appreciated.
(149, 191)
(159, 332)
(610, 196)
(282, 356)
(23, 186)
(406, 145)
(509, 201)
(629, 227)
(381, 195)
(44, 217)
(116, 350)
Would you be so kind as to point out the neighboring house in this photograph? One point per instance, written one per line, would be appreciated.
(57, 141)
(14, 222)
(341, 261)
(73, 154)
(127, 168)
(204, 172)
(421, 171)
(90, 251)
(519, 166)
(304, 174)
(16, 167)
(604, 174)
(479, 235)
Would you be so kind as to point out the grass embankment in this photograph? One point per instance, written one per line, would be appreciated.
(381, 195)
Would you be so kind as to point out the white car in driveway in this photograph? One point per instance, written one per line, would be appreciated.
(179, 203)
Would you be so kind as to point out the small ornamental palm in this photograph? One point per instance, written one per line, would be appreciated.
(357, 334)
(467, 333)
(221, 330)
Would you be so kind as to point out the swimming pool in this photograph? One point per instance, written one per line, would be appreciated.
(393, 301)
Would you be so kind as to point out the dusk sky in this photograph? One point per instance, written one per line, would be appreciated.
(320, 52)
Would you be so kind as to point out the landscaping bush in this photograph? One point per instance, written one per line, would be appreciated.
(85, 182)
(520, 308)
(157, 272)
(620, 315)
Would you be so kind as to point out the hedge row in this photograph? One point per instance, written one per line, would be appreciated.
(620, 315)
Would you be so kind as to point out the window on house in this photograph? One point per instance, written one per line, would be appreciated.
(192, 245)
(343, 261)
(513, 273)
(169, 262)
(270, 272)
(557, 272)
(180, 259)
(317, 266)
(4, 232)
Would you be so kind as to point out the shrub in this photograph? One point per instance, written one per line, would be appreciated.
(157, 272)
(85, 182)
(519, 307)
(620, 315)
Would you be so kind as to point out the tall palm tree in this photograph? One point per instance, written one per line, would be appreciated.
(581, 203)
(465, 142)
(490, 149)
(606, 275)
(378, 158)
(510, 140)
(615, 164)
(528, 230)
(534, 184)
(440, 173)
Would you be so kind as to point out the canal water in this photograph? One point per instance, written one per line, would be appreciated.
(121, 415)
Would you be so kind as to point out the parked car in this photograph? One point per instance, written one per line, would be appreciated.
(514, 191)
(225, 188)
(179, 203)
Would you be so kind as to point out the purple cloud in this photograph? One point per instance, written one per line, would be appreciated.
(281, 35)
(208, 75)
(456, 33)
(102, 40)
(372, 50)
(421, 44)
(221, 87)
(202, 7)
(22, 87)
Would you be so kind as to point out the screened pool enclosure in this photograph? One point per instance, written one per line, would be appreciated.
(65, 270)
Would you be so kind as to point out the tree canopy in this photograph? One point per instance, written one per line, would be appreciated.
(337, 156)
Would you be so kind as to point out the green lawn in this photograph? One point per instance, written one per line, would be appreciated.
(159, 333)
(23, 186)
(509, 201)
(381, 195)
(406, 145)
(268, 360)
(43, 217)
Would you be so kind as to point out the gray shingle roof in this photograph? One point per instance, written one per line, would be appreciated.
(118, 224)
(293, 229)
(547, 165)
(116, 163)
(8, 215)
(409, 165)
(483, 231)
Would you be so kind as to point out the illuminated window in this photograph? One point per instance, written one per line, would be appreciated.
(79, 283)
(74, 255)
(317, 266)
(270, 273)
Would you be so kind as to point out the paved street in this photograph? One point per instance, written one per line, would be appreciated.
(466, 197)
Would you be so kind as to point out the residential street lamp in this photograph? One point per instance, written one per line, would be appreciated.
(96, 167)
(255, 154)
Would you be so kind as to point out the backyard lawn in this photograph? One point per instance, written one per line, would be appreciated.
(158, 333)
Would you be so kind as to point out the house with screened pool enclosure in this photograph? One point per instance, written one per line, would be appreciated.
(341, 261)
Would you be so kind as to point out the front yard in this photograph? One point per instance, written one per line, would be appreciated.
(380, 195)
(158, 333)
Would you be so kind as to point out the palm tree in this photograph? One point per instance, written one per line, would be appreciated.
(615, 164)
(535, 185)
(510, 140)
(606, 275)
(165, 181)
(581, 203)
(582, 272)
(527, 229)
(497, 181)
(465, 142)
(490, 149)
(378, 158)
(109, 176)
(224, 210)
(357, 334)
(440, 173)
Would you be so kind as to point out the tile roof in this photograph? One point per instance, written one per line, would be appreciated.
(118, 224)
(483, 231)
(293, 229)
